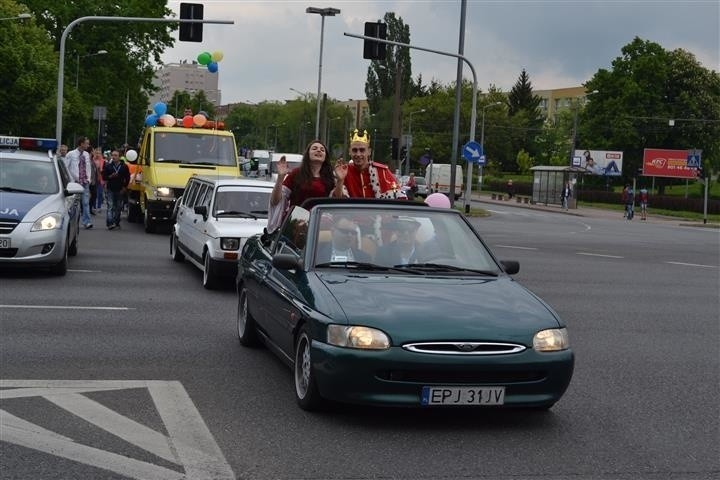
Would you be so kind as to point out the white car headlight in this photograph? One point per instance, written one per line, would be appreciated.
(229, 243)
(50, 221)
(552, 340)
(365, 338)
(163, 192)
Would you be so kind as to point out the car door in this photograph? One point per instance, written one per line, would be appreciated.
(196, 221)
(184, 214)
(282, 298)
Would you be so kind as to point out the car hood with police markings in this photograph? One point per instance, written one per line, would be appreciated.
(25, 207)
(463, 308)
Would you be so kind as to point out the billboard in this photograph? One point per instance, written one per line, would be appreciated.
(661, 162)
(600, 162)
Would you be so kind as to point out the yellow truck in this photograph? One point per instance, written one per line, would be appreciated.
(168, 157)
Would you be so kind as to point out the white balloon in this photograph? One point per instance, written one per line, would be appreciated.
(131, 155)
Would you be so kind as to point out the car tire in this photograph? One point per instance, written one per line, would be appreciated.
(307, 393)
(60, 268)
(148, 222)
(175, 252)
(246, 328)
(209, 280)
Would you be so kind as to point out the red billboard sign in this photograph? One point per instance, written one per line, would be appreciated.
(661, 162)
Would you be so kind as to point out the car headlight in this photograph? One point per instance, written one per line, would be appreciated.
(552, 340)
(365, 338)
(163, 192)
(229, 243)
(50, 221)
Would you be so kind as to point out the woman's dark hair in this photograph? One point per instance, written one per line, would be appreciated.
(304, 177)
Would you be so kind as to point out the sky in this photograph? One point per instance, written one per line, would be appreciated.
(274, 46)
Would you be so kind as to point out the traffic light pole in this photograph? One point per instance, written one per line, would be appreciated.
(71, 25)
(473, 114)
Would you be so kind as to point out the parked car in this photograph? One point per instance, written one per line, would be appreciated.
(39, 206)
(214, 218)
(396, 303)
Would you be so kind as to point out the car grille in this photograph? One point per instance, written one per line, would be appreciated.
(7, 226)
(8, 252)
(465, 348)
(470, 377)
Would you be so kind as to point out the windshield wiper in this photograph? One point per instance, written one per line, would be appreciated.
(223, 213)
(364, 266)
(20, 190)
(438, 267)
(261, 212)
(168, 160)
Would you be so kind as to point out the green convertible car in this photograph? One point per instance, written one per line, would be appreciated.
(396, 303)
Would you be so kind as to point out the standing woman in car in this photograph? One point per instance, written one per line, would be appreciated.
(313, 178)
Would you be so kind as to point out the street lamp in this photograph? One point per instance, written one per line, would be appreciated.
(575, 124)
(77, 68)
(407, 166)
(482, 141)
(22, 16)
(305, 95)
(323, 12)
(329, 129)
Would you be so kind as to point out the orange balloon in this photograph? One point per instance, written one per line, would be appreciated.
(187, 121)
(199, 120)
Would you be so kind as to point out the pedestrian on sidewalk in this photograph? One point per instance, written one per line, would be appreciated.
(643, 203)
(628, 198)
(510, 188)
(565, 195)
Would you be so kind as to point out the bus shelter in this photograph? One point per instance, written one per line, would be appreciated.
(548, 182)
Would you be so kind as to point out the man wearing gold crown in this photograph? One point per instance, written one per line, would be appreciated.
(364, 178)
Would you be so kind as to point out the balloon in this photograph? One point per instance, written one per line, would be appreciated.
(187, 121)
(167, 120)
(151, 119)
(216, 56)
(131, 155)
(160, 108)
(438, 200)
(199, 120)
(212, 67)
(204, 58)
(203, 113)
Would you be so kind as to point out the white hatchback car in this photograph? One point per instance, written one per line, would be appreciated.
(214, 218)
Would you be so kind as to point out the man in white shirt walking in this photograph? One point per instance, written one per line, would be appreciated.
(80, 169)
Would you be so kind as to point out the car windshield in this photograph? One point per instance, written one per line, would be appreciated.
(196, 149)
(27, 176)
(417, 241)
(241, 202)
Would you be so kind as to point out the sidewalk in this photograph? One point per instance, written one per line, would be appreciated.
(589, 212)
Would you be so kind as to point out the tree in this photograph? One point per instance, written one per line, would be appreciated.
(29, 72)
(647, 86)
(524, 162)
(127, 70)
(523, 108)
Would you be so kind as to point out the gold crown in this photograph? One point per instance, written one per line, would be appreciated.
(357, 138)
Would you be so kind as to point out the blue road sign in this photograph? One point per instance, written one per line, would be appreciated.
(693, 160)
(472, 151)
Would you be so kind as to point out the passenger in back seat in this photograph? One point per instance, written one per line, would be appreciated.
(344, 244)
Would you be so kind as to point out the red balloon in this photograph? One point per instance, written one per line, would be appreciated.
(187, 121)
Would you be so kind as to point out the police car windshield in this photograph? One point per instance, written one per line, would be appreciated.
(27, 176)
(202, 149)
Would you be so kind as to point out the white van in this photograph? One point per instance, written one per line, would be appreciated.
(437, 177)
(262, 158)
(294, 160)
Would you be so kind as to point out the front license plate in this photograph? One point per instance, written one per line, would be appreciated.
(463, 396)
(4, 242)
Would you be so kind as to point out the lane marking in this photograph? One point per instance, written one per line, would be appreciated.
(516, 247)
(65, 307)
(84, 271)
(692, 264)
(189, 443)
(598, 255)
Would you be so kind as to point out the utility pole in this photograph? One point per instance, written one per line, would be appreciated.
(396, 109)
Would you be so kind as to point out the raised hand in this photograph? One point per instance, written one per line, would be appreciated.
(341, 169)
(282, 167)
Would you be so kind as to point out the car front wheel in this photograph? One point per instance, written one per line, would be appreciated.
(306, 391)
(210, 280)
(175, 252)
(247, 333)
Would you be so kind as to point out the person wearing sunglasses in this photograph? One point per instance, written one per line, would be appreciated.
(364, 178)
(402, 250)
(344, 244)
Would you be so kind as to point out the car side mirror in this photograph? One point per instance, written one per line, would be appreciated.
(511, 267)
(287, 261)
(201, 210)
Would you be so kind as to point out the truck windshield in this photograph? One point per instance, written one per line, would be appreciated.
(186, 148)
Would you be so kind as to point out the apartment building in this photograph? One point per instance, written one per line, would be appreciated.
(186, 76)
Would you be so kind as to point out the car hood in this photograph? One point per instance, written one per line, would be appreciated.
(25, 207)
(236, 227)
(441, 308)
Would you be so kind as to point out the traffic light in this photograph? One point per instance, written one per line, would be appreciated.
(191, 32)
(374, 50)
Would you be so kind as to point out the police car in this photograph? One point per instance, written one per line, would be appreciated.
(39, 206)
